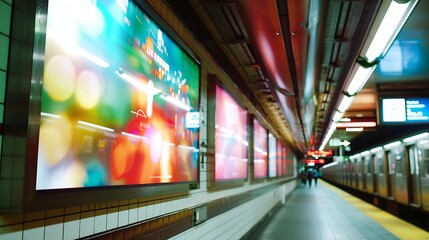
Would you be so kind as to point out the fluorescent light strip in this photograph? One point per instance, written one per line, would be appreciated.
(393, 20)
(391, 145)
(354, 129)
(95, 126)
(355, 124)
(345, 103)
(337, 116)
(421, 135)
(383, 38)
(359, 79)
(176, 102)
(327, 136)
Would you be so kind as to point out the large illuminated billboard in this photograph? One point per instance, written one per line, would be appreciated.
(117, 93)
(260, 161)
(231, 145)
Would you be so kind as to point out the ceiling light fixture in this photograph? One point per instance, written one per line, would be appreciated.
(345, 103)
(390, 19)
(355, 124)
(354, 129)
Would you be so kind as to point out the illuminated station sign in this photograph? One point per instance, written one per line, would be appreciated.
(319, 153)
(404, 110)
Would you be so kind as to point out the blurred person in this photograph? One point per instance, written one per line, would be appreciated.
(310, 177)
(316, 175)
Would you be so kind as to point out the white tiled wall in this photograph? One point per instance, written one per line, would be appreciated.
(238, 221)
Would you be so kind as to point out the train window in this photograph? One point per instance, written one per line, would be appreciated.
(378, 164)
(367, 166)
(426, 166)
(426, 153)
(392, 163)
(425, 158)
(399, 157)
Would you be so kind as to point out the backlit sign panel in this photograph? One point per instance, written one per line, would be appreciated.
(116, 97)
(404, 110)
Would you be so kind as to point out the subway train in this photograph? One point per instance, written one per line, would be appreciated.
(393, 176)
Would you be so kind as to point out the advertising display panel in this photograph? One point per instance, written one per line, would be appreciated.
(272, 156)
(231, 145)
(260, 160)
(119, 102)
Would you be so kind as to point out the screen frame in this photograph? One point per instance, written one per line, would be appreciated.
(53, 198)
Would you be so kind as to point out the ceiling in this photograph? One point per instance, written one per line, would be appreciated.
(292, 59)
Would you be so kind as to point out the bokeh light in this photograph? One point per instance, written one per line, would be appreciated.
(88, 89)
(91, 20)
(59, 79)
(54, 139)
(122, 158)
(156, 147)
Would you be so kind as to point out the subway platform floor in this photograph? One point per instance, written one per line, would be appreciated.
(326, 212)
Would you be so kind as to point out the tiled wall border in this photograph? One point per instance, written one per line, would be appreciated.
(169, 225)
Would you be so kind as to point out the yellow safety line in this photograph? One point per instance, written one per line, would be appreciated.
(393, 224)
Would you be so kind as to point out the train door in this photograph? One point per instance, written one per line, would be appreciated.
(401, 183)
(359, 170)
(424, 176)
(415, 155)
(381, 182)
(391, 167)
(375, 168)
(368, 173)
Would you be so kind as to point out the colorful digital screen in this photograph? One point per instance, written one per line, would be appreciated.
(231, 145)
(117, 93)
(272, 156)
(404, 110)
(260, 161)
